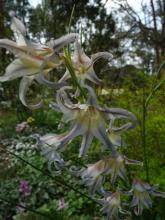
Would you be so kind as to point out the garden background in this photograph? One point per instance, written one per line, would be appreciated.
(133, 79)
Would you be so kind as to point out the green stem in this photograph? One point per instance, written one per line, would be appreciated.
(71, 18)
(144, 114)
(69, 28)
(155, 88)
(146, 102)
(68, 64)
(68, 60)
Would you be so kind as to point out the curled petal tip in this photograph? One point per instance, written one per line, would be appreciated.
(4, 78)
(62, 41)
(11, 13)
(24, 86)
(99, 55)
(17, 26)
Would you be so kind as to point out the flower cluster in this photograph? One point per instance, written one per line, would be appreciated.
(80, 108)
(24, 188)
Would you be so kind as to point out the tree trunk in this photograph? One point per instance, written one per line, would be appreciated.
(2, 35)
(157, 52)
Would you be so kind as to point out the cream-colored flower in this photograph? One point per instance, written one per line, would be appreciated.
(114, 133)
(31, 58)
(89, 120)
(49, 146)
(111, 206)
(83, 65)
(142, 193)
(93, 176)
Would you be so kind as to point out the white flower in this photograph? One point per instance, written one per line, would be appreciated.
(142, 193)
(111, 206)
(49, 147)
(93, 176)
(89, 120)
(33, 60)
(83, 65)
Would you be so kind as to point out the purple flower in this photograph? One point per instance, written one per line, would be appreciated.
(24, 188)
(62, 204)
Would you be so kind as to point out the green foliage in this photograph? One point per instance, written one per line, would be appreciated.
(98, 28)
(49, 119)
(45, 192)
(7, 129)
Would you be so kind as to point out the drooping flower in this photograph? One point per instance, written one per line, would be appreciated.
(111, 206)
(49, 146)
(31, 58)
(93, 176)
(83, 65)
(142, 193)
(24, 188)
(114, 133)
(89, 120)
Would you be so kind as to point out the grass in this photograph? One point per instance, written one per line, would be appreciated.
(8, 121)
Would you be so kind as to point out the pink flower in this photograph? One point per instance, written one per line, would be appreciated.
(62, 204)
(24, 188)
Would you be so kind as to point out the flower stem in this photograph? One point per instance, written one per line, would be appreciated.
(68, 63)
(144, 136)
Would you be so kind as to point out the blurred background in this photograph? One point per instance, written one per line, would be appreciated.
(134, 32)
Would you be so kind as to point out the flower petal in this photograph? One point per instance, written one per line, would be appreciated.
(19, 29)
(80, 57)
(96, 185)
(86, 141)
(100, 134)
(51, 139)
(157, 193)
(62, 41)
(17, 69)
(75, 131)
(134, 201)
(146, 201)
(17, 25)
(133, 162)
(23, 88)
(10, 45)
(114, 138)
(65, 105)
(64, 77)
(111, 206)
(27, 54)
(93, 178)
(41, 79)
(99, 55)
(138, 210)
(92, 99)
(52, 156)
(122, 113)
(91, 75)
